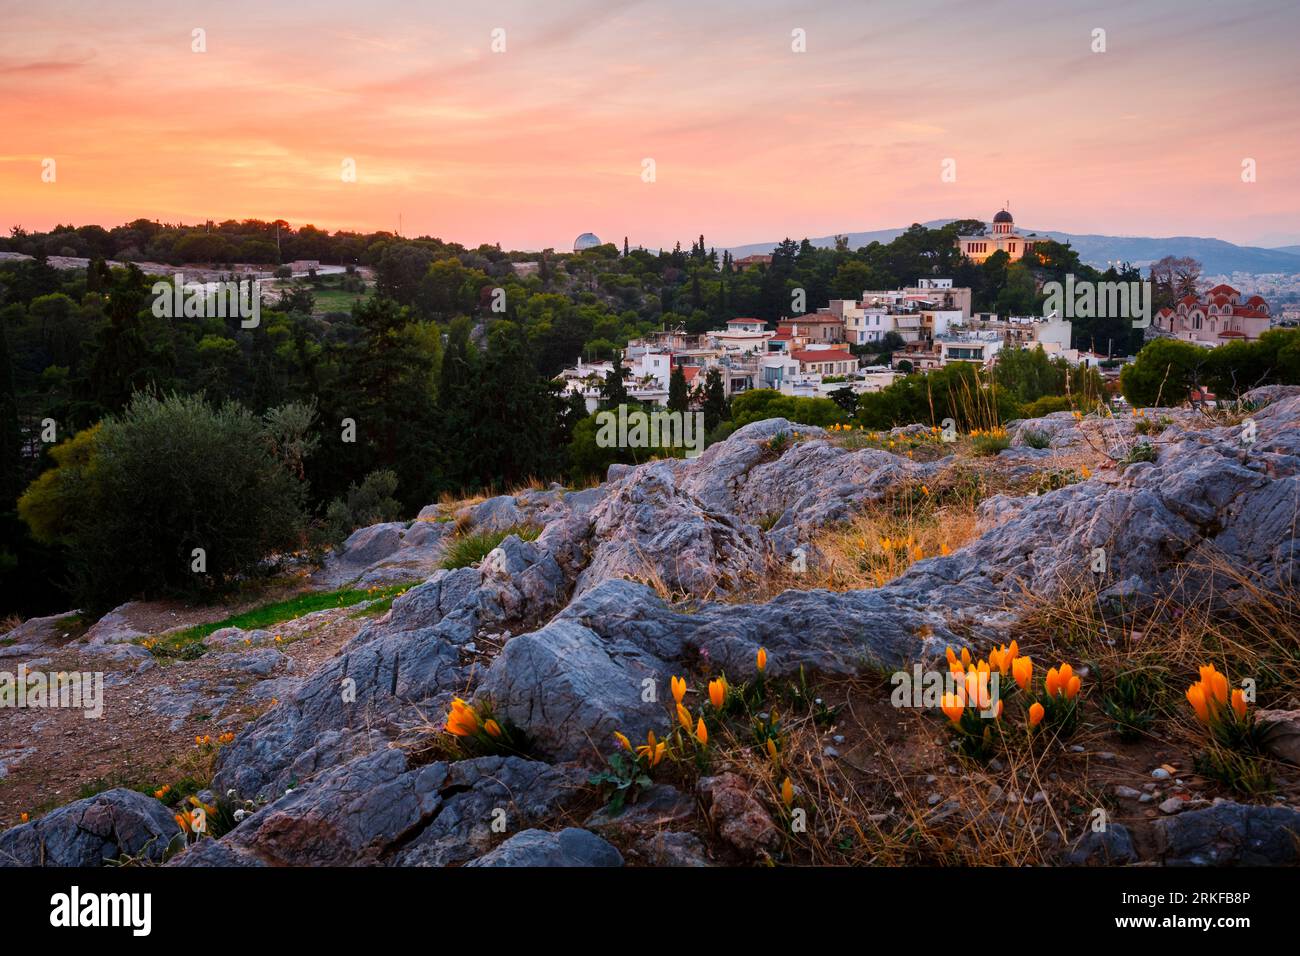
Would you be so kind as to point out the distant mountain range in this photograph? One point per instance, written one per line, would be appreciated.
(1215, 255)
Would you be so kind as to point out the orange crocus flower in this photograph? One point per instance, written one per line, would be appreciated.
(953, 705)
(1239, 703)
(684, 717)
(1022, 669)
(717, 693)
(461, 719)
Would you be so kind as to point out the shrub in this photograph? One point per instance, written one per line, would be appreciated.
(1036, 439)
(133, 500)
(1141, 451)
(471, 548)
(371, 502)
(1163, 372)
(1044, 406)
(762, 403)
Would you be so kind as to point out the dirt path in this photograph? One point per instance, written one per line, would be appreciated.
(153, 710)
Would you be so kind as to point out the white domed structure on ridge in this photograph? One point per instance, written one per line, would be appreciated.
(588, 240)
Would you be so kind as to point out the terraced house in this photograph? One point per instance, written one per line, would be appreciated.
(825, 362)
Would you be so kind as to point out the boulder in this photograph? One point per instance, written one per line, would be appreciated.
(737, 815)
(384, 808)
(1230, 834)
(96, 831)
(1280, 733)
(1110, 847)
(569, 847)
(672, 848)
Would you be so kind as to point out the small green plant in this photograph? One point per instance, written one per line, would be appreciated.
(799, 693)
(1141, 451)
(1054, 479)
(473, 546)
(1037, 439)
(1130, 701)
(627, 771)
(1245, 773)
(778, 443)
(766, 521)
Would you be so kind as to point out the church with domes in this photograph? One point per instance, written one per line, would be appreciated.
(1003, 238)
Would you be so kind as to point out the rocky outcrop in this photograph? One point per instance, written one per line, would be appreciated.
(574, 635)
(391, 553)
(107, 827)
(1208, 499)
(394, 673)
(386, 809)
(573, 683)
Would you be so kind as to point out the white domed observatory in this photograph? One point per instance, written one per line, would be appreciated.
(588, 240)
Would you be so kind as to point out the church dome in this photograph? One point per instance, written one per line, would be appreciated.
(1003, 216)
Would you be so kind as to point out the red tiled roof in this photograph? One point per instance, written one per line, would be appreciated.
(782, 337)
(738, 320)
(689, 372)
(1248, 313)
(1221, 288)
(823, 355)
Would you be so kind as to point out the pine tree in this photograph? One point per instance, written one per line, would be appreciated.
(678, 396)
(715, 400)
(613, 392)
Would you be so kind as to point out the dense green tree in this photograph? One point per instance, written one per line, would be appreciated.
(714, 405)
(679, 398)
(1163, 372)
(173, 496)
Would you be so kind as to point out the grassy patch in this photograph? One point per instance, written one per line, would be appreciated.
(472, 547)
(183, 643)
(986, 444)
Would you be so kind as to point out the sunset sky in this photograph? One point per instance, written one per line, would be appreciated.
(751, 141)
